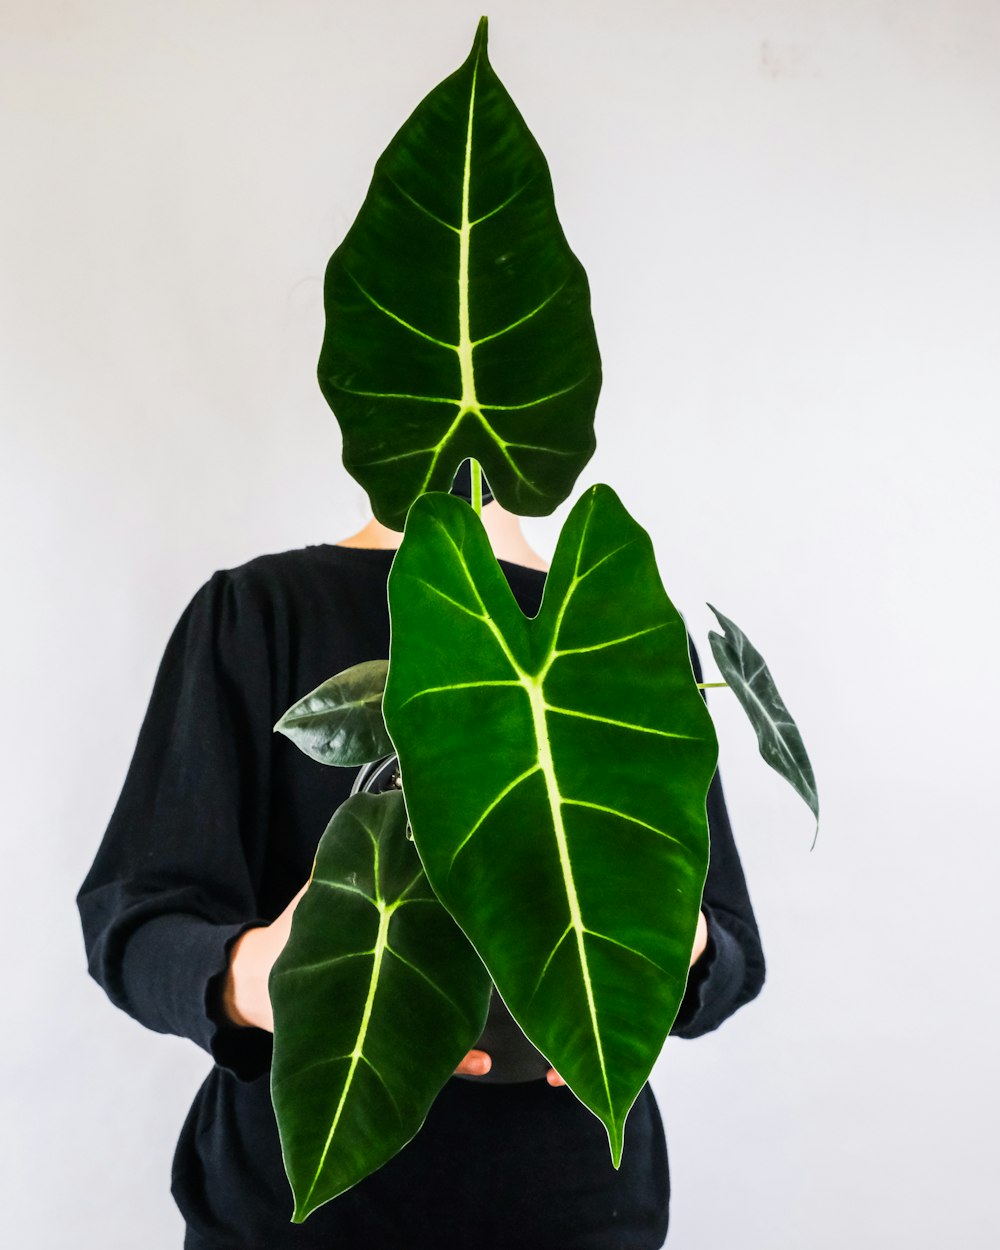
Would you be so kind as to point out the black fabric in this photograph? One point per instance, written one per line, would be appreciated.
(215, 831)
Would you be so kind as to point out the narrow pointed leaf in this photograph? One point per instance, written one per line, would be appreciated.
(377, 997)
(778, 737)
(340, 722)
(458, 319)
(555, 772)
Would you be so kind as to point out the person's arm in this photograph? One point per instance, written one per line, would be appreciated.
(175, 881)
(730, 972)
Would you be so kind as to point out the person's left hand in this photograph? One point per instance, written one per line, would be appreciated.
(700, 942)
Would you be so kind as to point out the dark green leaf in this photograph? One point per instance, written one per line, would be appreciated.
(555, 773)
(377, 997)
(458, 319)
(340, 722)
(781, 745)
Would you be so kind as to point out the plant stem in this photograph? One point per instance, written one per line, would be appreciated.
(477, 487)
(713, 685)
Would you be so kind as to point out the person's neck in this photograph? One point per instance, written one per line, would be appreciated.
(503, 529)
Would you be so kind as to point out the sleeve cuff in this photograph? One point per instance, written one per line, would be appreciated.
(245, 1052)
(176, 965)
(715, 984)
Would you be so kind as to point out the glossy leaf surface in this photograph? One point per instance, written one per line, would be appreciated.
(778, 737)
(340, 722)
(555, 773)
(458, 320)
(377, 997)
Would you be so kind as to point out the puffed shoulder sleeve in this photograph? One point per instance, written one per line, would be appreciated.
(175, 880)
(731, 971)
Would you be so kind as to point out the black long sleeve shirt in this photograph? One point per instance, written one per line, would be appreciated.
(216, 830)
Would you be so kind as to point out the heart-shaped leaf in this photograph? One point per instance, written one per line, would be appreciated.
(555, 773)
(340, 722)
(457, 318)
(778, 737)
(377, 997)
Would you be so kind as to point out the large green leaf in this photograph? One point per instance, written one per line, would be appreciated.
(377, 997)
(458, 319)
(555, 773)
(340, 722)
(778, 737)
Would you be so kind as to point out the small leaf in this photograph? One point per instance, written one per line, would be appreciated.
(377, 997)
(457, 319)
(555, 772)
(340, 722)
(781, 745)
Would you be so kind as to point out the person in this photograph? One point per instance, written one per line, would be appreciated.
(190, 900)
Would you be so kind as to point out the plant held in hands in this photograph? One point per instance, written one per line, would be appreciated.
(554, 770)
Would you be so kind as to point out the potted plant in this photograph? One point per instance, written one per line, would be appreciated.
(553, 769)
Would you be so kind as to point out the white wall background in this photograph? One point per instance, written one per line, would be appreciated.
(789, 214)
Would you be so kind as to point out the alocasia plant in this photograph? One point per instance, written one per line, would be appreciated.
(554, 770)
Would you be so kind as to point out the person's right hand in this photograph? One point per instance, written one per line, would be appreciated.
(245, 999)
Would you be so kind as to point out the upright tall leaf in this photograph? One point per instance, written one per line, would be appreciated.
(555, 773)
(377, 996)
(778, 737)
(458, 319)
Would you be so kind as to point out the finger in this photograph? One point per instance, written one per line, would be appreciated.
(475, 1063)
(553, 1078)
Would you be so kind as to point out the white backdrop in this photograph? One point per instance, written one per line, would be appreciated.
(788, 211)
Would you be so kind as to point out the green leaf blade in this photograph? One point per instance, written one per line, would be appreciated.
(340, 722)
(560, 815)
(458, 318)
(778, 736)
(377, 997)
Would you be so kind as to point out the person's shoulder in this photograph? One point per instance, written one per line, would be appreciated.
(283, 574)
(275, 566)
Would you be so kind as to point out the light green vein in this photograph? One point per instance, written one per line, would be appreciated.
(492, 807)
(454, 602)
(385, 1085)
(603, 937)
(632, 820)
(422, 399)
(459, 685)
(552, 451)
(442, 443)
(618, 724)
(545, 760)
(323, 963)
(532, 403)
(488, 338)
(604, 559)
(545, 967)
(347, 889)
(612, 642)
(452, 347)
(509, 200)
(423, 208)
(381, 942)
(423, 975)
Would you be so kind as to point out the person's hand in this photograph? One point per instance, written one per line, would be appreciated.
(245, 999)
(700, 939)
(475, 1063)
(700, 942)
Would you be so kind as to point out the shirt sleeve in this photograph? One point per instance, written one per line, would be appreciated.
(731, 970)
(176, 878)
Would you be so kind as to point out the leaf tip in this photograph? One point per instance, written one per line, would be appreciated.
(617, 1139)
